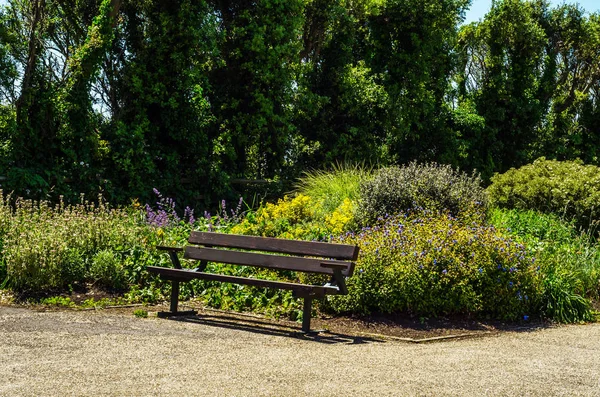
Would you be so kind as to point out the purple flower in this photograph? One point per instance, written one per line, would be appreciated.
(444, 271)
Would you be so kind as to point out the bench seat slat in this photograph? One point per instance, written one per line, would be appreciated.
(187, 275)
(266, 260)
(268, 244)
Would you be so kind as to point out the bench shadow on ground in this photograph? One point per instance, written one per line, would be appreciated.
(258, 326)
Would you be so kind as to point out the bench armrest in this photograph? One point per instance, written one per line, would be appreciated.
(170, 249)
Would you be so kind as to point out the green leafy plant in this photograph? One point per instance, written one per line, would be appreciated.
(568, 188)
(140, 313)
(58, 301)
(568, 259)
(107, 270)
(426, 186)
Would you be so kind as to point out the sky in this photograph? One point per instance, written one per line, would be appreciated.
(480, 7)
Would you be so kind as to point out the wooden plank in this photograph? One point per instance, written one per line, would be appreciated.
(268, 244)
(299, 264)
(187, 275)
(173, 249)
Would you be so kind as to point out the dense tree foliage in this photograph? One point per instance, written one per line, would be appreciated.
(120, 96)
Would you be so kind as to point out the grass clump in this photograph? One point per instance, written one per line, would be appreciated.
(332, 188)
(569, 261)
(419, 186)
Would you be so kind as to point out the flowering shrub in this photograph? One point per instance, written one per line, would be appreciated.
(291, 218)
(428, 186)
(431, 263)
(342, 217)
(296, 218)
(49, 247)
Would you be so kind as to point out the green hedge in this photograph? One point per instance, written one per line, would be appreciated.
(567, 188)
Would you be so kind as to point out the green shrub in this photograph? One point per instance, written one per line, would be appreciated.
(568, 188)
(48, 247)
(533, 226)
(560, 300)
(425, 186)
(107, 270)
(569, 258)
(140, 313)
(431, 264)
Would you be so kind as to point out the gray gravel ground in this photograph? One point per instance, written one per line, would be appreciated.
(69, 353)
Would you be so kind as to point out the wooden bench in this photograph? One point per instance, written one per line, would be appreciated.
(335, 260)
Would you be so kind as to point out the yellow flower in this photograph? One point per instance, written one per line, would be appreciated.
(343, 215)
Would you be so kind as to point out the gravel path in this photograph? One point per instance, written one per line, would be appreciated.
(101, 353)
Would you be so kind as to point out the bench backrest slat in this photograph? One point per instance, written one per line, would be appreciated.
(294, 263)
(267, 244)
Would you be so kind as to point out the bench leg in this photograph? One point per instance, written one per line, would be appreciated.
(306, 314)
(174, 300)
(174, 296)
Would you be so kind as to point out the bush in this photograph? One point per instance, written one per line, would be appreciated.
(431, 264)
(569, 261)
(48, 247)
(427, 186)
(297, 218)
(561, 302)
(107, 270)
(568, 188)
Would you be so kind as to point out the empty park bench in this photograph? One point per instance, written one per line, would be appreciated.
(335, 260)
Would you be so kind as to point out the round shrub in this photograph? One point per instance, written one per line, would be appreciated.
(567, 188)
(107, 270)
(427, 186)
(430, 263)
